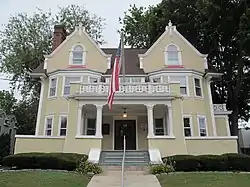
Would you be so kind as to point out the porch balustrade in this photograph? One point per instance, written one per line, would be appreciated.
(149, 88)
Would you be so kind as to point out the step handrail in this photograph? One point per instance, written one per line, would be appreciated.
(123, 159)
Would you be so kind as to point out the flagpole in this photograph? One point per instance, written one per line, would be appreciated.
(123, 57)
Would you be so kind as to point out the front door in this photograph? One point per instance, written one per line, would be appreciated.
(127, 128)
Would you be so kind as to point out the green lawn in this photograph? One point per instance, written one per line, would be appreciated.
(42, 179)
(205, 180)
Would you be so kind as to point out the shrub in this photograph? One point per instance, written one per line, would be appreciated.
(161, 168)
(225, 162)
(61, 161)
(4, 146)
(85, 167)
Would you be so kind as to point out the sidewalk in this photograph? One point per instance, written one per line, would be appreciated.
(132, 179)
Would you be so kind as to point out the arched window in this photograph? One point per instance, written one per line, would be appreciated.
(172, 55)
(77, 55)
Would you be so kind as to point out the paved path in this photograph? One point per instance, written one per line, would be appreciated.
(132, 179)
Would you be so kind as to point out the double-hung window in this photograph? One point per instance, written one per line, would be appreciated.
(68, 80)
(52, 87)
(91, 126)
(197, 85)
(159, 126)
(63, 125)
(202, 125)
(183, 83)
(48, 126)
(187, 126)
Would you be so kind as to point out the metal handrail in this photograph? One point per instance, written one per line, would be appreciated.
(123, 158)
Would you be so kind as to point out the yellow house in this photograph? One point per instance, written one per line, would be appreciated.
(164, 107)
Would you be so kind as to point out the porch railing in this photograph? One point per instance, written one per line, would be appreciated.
(123, 159)
(103, 88)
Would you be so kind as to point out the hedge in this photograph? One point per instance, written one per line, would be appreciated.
(225, 162)
(60, 161)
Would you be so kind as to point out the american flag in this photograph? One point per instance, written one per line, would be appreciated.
(114, 82)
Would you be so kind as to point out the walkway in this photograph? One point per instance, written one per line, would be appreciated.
(132, 179)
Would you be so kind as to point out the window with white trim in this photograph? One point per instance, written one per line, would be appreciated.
(91, 126)
(202, 126)
(77, 58)
(197, 85)
(52, 88)
(183, 83)
(187, 126)
(48, 126)
(63, 125)
(93, 80)
(68, 80)
(159, 126)
(156, 79)
(172, 55)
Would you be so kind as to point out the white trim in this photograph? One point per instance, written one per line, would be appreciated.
(191, 124)
(201, 87)
(45, 125)
(39, 137)
(178, 53)
(127, 118)
(50, 78)
(211, 106)
(212, 138)
(173, 29)
(40, 106)
(187, 84)
(59, 125)
(77, 30)
(74, 72)
(202, 116)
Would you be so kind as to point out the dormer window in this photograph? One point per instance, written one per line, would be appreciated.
(172, 56)
(77, 56)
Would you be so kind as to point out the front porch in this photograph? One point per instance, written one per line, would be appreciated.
(96, 121)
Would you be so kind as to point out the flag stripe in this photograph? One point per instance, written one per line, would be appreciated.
(114, 81)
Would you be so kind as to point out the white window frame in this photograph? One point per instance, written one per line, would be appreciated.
(187, 85)
(45, 125)
(191, 124)
(179, 55)
(50, 80)
(64, 82)
(203, 117)
(200, 80)
(156, 77)
(83, 56)
(60, 125)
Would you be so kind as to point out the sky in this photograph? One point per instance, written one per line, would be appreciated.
(110, 10)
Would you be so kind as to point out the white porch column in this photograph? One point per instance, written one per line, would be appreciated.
(170, 118)
(211, 107)
(98, 121)
(79, 120)
(150, 120)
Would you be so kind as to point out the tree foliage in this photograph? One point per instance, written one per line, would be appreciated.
(219, 28)
(7, 101)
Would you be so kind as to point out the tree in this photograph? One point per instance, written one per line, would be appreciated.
(7, 101)
(219, 28)
(26, 39)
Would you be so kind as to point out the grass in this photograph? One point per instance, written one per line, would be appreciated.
(42, 179)
(205, 180)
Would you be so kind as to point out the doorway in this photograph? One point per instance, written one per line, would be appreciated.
(127, 128)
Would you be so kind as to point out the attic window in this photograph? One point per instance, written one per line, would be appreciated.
(173, 56)
(77, 56)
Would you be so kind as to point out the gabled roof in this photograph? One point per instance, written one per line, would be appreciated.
(132, 64)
